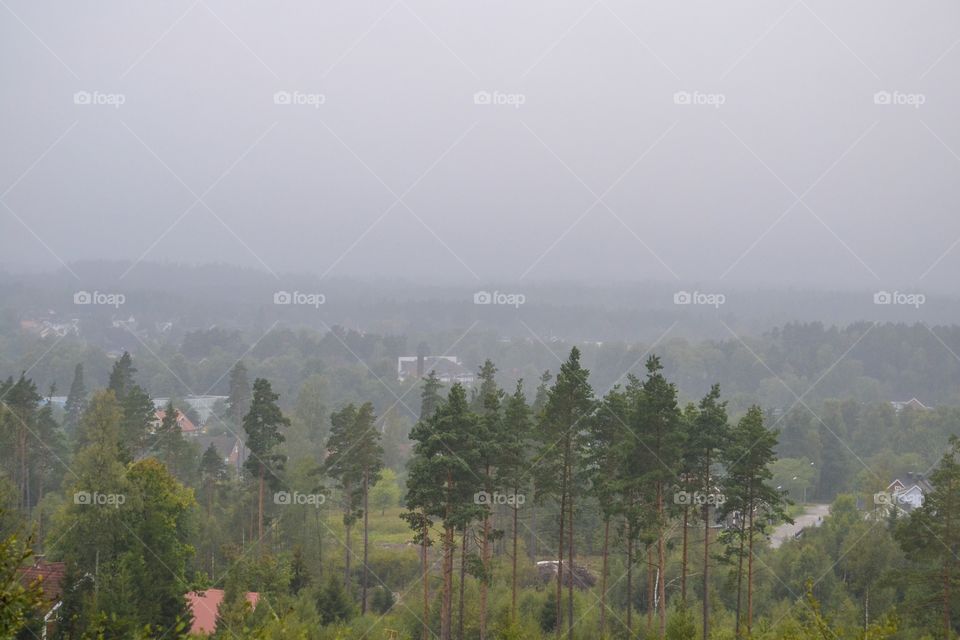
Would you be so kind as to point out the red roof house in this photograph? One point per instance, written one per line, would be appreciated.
(186, 425)
(204, 606)
(50, 575)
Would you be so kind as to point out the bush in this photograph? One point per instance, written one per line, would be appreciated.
(382, 600)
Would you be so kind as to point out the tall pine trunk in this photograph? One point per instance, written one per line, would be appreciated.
(462, 585)
(629, 579)
(736, 628)
(513, 575)
(661, 563)
(683, 561)
(260, 508)
(603, 576)
(485, 560)
(750, 576)
(570, 569)
(651, 605)
(706, 557)
(425, 568)
(563, 505)
(446, 602)
(366, 540)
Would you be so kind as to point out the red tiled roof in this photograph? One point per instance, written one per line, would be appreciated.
(205, 604)
(51, 576)
(185, 424)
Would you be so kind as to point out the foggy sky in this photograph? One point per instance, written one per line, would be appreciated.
(798, 178)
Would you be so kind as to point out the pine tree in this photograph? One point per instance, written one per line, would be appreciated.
(21, 401)
(604, 458)
(569, 406)
(262, 424)
(707, 438)
(513, 469)
(750, 497)
(76, 401)
(657, 451)
(490, 445)
(354, 460)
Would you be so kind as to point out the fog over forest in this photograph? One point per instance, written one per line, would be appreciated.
(412, 320)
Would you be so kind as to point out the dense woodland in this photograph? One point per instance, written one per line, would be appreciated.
(369, 508)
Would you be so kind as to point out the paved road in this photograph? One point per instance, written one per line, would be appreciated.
(811, 517)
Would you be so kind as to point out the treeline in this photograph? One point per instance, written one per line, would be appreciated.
(863, 361)
(527, 511)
